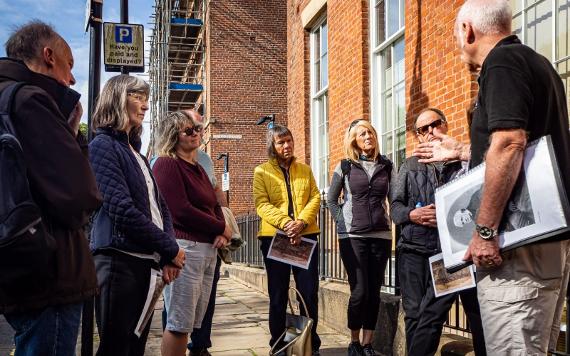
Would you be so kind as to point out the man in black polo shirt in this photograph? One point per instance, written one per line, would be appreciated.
(521, 98)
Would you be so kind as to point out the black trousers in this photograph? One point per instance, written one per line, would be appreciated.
(123, 283)
(307, 283)
(365, 262)
(426, 314)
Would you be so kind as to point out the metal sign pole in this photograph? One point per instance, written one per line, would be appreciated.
(94, 20)
(124, 19)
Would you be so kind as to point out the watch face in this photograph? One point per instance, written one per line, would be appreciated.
(485, 232)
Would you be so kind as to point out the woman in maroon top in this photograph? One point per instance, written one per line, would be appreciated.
(199, 227)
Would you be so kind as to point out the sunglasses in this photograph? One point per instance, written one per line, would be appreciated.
(189, 131)
(425, 129)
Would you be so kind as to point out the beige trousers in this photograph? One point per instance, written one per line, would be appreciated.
(521, 301)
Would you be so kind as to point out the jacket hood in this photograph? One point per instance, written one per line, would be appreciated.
(15, 70)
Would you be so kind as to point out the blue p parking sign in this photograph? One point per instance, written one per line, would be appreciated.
(123, 34)
(123, 47)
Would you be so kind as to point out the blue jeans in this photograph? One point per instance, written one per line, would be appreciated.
(51, 331)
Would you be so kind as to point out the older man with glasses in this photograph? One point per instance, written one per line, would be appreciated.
(413, 208)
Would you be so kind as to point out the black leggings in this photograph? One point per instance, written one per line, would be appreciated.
(364, 259)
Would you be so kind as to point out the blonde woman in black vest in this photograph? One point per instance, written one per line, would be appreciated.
(363, 227)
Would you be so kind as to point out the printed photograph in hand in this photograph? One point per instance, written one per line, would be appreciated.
(445, 282)
(282, 250)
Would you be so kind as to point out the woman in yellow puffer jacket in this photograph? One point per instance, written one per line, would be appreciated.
(287, 198)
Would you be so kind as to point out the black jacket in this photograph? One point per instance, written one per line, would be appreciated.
(60, 178)
(416, 183)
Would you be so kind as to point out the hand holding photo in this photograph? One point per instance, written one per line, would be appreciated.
(298, 255)
(530, 214)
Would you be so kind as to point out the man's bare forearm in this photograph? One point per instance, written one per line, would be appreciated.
(503, 164)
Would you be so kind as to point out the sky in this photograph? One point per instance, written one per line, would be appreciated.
(68, 19)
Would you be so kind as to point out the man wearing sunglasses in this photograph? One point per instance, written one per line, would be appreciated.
(413, 208)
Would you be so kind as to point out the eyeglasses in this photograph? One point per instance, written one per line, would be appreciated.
(189, 131)
(425, 129)
(139, 97)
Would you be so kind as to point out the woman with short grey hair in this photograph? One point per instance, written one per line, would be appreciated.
(199, 226)
(132, 232)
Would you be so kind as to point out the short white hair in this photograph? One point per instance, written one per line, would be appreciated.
(490, 17)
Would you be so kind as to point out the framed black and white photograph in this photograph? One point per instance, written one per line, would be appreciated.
(530, 214)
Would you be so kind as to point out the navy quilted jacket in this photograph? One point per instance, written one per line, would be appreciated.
(125, 221)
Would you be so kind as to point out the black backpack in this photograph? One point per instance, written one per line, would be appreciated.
(27, 251)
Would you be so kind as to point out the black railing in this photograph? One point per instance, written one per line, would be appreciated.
(330, 264)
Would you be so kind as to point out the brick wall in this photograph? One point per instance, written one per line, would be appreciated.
(298, 81)
(246, 78)
(348, 88)
(349, 70)
(435, 75)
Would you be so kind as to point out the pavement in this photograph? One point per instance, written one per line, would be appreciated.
(240, 326)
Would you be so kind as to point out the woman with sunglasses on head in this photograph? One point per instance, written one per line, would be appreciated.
(199, 226)
(363, 226)
(132, 232)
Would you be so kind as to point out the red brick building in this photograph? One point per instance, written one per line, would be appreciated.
(385, 60)
(246, 79)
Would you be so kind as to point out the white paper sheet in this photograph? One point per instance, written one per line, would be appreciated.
(155, 288)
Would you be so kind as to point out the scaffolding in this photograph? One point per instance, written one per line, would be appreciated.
(177, 59)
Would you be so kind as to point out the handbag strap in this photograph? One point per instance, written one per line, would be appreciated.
(302, 302)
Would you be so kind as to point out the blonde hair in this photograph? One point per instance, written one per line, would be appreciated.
(111, 109)
(351, 150)
(168, 130)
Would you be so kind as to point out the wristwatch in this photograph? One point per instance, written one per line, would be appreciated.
(486, 233)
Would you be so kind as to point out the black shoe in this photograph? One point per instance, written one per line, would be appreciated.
(355, 349)
(367, 350)
(316, 353)
(199, 352)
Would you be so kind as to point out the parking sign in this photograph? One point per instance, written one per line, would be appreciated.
(123, 47)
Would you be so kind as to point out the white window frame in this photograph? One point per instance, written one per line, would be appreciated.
(317, 114)
(522, 12)
(377, 81)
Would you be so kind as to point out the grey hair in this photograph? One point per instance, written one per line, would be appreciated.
(490, 17)
(276, 131)
(111, 108)
(28, 41)
(169, 130)
(437, 111)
